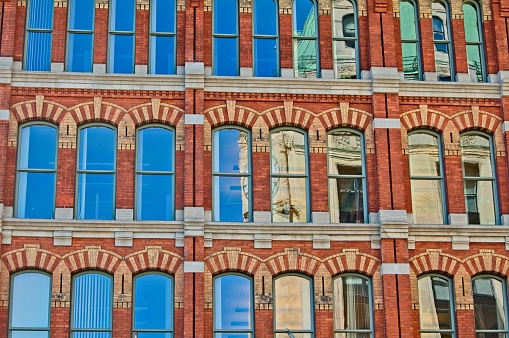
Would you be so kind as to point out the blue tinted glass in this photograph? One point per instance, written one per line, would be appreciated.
(95, 196)
(231, 151)
(155, 149)
(97, 148)
(265, 17)
(155, 197)
(225, 17)
(231, 199)
(30, 290)
(79, 57)
(226, 56)
(154, 335)
(304, 18)
(162, 57)
(40, 15)
(163, 16)
(121, 54)
(122, 15)
(91, 335)
(38, 147)
(265, 57)
(30, 334)
(36, 195)
(92, 302)
(153, 302)
(232, 297)
(38, 51)
(240, 335)
(81, 14)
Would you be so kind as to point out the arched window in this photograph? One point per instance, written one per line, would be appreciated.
(95, 181)
(231, 175)
(479, 178)
(436, 306)
(490, 306)
(345, 39)
(91, 305)
(305, 39)
(36, 174)
(80, 35)
(443, 41)
(38, 35)
(153, 305)
(293, 306)
(155, 173)
(410, 40)
(163, 39)
(474, 41)
(121, 36)
(426, 177)
(30, 290)
(233, 306)
(265, 38)
(289, 175)
(347, 176)
(353, 306)
(225, 37)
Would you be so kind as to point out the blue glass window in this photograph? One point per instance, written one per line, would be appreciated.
(345, 40)
(444, 65)
(233, 307)
(305, 39)
(155, 179)
(39, 29)
(410, 43)
(474, 41)
(92, 305)
(96, 172)
(121, 36)
(265, 38)
(436, 306)
(231, 175)
(153, 306)
(30, 290)
(225, 36)
(36, 175)
(163, 40)
(490, 306)
(80, 35)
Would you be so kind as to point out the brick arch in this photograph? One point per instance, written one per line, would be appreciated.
(292, 260)
(434, 260)
(155, 111)
(31, 256)
(345, 116)
(487, 261)
(92, 257)
(288, 115)
(231, 113)
(233, 259)
(97, 110)
(38, 109)
(154, 258)
(476, 119)
(352, 261)
(424, 117)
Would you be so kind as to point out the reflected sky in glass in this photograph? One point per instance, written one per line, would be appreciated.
(163, 55)
(122, 15)
(97, 148)
(29, 334)
(81, 14)
(38, 147)
(265, 57)
(155, 149)
(226, 56)
(265, 17)
(153, 303)
(232, 304)
(233, 205)
(95, 196)
(304, 18)
(163, 16)
(230, 146)
(225, 17)
(30, 290)
(155, 197)
(79, 57)
(121, 54)
(36, 195)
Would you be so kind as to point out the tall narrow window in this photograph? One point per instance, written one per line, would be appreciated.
(347, 176)
(163, 40)
(121, 36)
(353, 306)
(233, 307)
(36, 175)
(225, 36)
(474, 41)
(293, 306)
(479, 178)
(305, 39)
(410, 44)
(289, 176)
(155, 174)
(442, 39)
(490, 307)
(426, 177)
(231, 175)
(92, 305)
(436, 307)
(39, 30)
(80, 35)
(96, 172)
(153, 305)
(345, 39)
(265, 38)
(30, 291)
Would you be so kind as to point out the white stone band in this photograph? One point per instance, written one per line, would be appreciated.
(395, 269)
(193, 119)
(379, 123)
(194, 267)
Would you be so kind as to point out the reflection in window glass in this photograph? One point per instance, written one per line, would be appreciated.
(39, 29)
(121, 36)
(233, 307)
(347, 199)
(96, 173)
(410, 44)
(473, 39)
(479, 178)
(163, 15)
(225, 36)
(289, 176)
(436, 307)
(345, 41)
(36, 175)
(265, 38)
(80, 35)
(153, 306)
(442, 40)
(426, 178)
(30, 290)
(293, 306)
(490, 310)
(305, 39)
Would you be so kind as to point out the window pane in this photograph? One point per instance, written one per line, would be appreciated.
(471, 22)
(153, 303)
(155, 149)
(162, 57)
(234, 335)
(289, 202)
(440, 21)
(81, 14)
(352, 335)
(427, 201)
(437, 335)
(293, 304)
(38, 147)
(352, 305)
(225, 17)
(40, 14)
(442, 61)
(154, 335)
(410, 60)
(225, 56)
(122, 15)
(121, 54)
(95, 196)
(479, 202)
(30, 290)
(288, 152)
(163, 16)
(265, 17)
(79, 58)
(475, 63)
(232, 304)
(345, 59)
(489, 304)
(231, 151)
(346, 200)
(29, 334)
(408, 22)
(91, 335)
(231, 199)
(343, 19)
(424, 155)
(344, 151)
(97, 148)
(434, 304)
(297, 335)
(305, 60)
(36, 195)
(38, 51)
(155, 197)
(304, 18)
(265, 57)
(92, 303)
(476, 155)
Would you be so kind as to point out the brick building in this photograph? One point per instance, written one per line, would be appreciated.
(153, 154)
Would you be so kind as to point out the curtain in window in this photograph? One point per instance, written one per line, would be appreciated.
(39, 28)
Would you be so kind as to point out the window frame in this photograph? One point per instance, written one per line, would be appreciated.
(111, 33)
(37, 30)
(447, 41)
(480, 43)
(416, 41)
(152, 33)
(70, 31)
(227, 36)
(266, 37)
(506, 317)
(296, 38)
(355, 39)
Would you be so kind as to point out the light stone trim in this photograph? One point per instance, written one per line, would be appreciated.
(124, 214)
(62, 238)
(194, 267)
(64, 213)
(380, 123)
(505, 126)
(321, 242)
(194, 75)
(320, 217)
(460, 242)
(395, 269)
(124, 238)
(7, 237)
(263, 241)
(458, 219)
(4, 115)
(194, 119)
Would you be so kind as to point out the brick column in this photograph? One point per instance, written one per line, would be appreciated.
(498, 38)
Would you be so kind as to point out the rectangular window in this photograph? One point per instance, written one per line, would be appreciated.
(442, 40)
(474, 41)
(436, 307)
(121, 36)
(163, 40)
(265, 38)
(305, 39)
(225, 36)
(80, 36)
(490, 295)
(410, 43)
(345, 40)
(38, 34)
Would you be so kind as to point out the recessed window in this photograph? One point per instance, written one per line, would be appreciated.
(345, 41)
(305, 39)
(163, 40)
(490, 306)
(38, 34)
(474, 41)
(265, 38)
(80, 35)
(442, 40)
(121, 36)
(410, 40)
(225, 37)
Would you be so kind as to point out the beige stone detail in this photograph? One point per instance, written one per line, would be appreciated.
(233, 256)
(351, 258)
(153, 255)
(31, 253)
(93, 253)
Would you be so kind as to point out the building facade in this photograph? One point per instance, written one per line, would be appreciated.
(240, 168)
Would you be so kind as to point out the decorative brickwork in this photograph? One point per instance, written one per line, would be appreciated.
(154, 258)
(31, 256)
